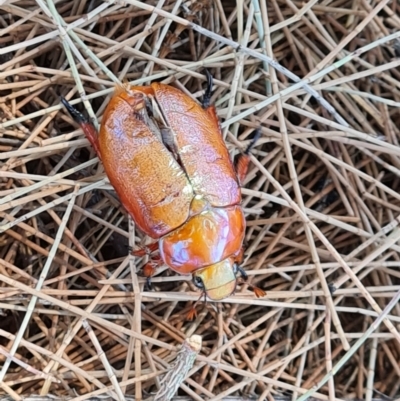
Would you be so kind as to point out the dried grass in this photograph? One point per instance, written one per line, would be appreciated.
(322, 200)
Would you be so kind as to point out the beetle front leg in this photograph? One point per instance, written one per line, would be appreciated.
(193, 312)
(257, 291)
(242, 273)
(243, 161)
(87, 127)
(244, 276)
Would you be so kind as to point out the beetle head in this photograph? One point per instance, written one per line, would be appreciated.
(218, 281)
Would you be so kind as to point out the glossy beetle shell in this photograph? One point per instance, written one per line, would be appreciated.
(166, 158)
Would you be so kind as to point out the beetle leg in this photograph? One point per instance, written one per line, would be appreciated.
(146, 250)
(243, 161)
(242, 273)
(193, 312)
(210, 109)
(148, 284)
(207, 93)
(150, 268)
(87, 127)
(257, 291)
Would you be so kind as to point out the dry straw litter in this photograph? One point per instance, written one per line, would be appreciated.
(321, 80)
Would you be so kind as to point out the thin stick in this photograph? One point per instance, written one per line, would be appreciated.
(245, 50)
(39, 284)
(353, 349)
(104, 360)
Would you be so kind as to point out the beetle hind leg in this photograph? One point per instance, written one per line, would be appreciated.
(87, 127)
(207, 93)
(243, 161)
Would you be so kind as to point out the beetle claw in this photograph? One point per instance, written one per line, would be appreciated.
(75, 114)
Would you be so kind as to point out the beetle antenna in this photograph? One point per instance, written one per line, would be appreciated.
(207, 93)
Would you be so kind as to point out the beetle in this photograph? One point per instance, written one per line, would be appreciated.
(166, 158)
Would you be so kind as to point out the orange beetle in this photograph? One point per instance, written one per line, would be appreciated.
(165, 156)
